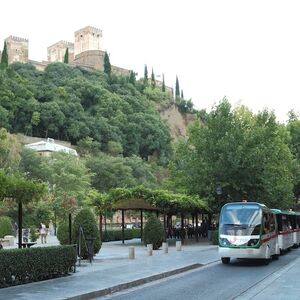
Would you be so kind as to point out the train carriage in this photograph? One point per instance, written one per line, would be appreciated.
(247, 230)
(296, 228)
(285, 220)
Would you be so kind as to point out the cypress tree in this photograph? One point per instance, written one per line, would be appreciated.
(132, 77)
(66, 58)
(145, 76)
(4, 57)
(163, 88)
(107, 65)
(153, 83)
(177, 90)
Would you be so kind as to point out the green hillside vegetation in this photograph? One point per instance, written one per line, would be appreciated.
(70, 104)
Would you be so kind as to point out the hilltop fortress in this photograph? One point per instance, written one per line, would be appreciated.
(86, 51)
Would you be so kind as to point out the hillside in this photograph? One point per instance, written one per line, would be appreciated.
(70, 104)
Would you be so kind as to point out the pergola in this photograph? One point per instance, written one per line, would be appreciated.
(21, 191)
(145, 199)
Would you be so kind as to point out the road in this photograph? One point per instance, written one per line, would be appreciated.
(214, 281)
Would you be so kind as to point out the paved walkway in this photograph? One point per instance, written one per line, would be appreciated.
(112, 270)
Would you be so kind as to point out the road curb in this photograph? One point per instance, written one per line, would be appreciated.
(134, 283)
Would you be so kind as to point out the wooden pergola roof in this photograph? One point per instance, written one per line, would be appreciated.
(157, 200)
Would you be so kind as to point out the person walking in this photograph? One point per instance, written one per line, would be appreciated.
(43, 233)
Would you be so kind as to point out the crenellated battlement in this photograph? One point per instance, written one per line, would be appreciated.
(62, 42)
(88, 29)
(16, 39)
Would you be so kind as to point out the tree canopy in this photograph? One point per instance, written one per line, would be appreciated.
(236, 154)
(68, 103)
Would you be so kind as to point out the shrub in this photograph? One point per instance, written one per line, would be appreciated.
(6, 227)
(33, 234)
(154, 233)
(20, 266)
(63, 233)
(86, 220)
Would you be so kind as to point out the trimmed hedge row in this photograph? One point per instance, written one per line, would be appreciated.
(19, 266)
(116, 235)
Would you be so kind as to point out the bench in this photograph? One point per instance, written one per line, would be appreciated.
(27, 244)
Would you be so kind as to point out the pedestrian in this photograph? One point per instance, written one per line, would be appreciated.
(43, 233)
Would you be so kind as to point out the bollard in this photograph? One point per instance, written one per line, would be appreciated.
(149, 249)
(165, 247)
(131, 253)
(178, 245)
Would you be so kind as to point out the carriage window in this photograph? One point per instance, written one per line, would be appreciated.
(266, 223)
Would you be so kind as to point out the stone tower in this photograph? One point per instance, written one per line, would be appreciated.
(17, 49)
(56, 52)
(88, 38)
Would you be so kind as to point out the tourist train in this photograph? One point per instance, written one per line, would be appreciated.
(252, 230)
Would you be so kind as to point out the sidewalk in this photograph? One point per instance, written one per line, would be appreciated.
(112, 270)
(281, 285)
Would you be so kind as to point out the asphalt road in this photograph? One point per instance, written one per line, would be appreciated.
(215, 281)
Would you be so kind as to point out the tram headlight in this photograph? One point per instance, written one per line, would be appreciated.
(253, 242)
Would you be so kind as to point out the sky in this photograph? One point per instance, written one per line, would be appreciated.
(246, 51)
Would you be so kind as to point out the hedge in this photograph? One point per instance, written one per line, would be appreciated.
(5, 226)
(19, 266)
(116, 235)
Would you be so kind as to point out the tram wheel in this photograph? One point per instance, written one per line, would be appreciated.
(275, 256)
(266, 261)
(225, 260)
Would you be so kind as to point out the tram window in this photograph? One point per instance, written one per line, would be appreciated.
(272, 222)
(285, 224)
(266, 223)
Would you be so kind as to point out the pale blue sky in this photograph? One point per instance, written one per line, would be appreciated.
(248, 51)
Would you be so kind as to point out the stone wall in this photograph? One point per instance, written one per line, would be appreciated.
(120, 71)
(91, 58)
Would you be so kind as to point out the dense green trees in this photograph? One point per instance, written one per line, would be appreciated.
(236, 154)
(71, 104)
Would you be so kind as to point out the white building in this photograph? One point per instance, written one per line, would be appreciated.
(45, 148)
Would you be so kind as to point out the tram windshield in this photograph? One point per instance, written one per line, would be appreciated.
(240, 220)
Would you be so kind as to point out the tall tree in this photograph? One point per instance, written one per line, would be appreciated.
(153, 83)
(132, 77)
(177, 90)
(66, 58)
(240, 153)
(107, 65)
(163, 88)
(145, 76)
(4, 57)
